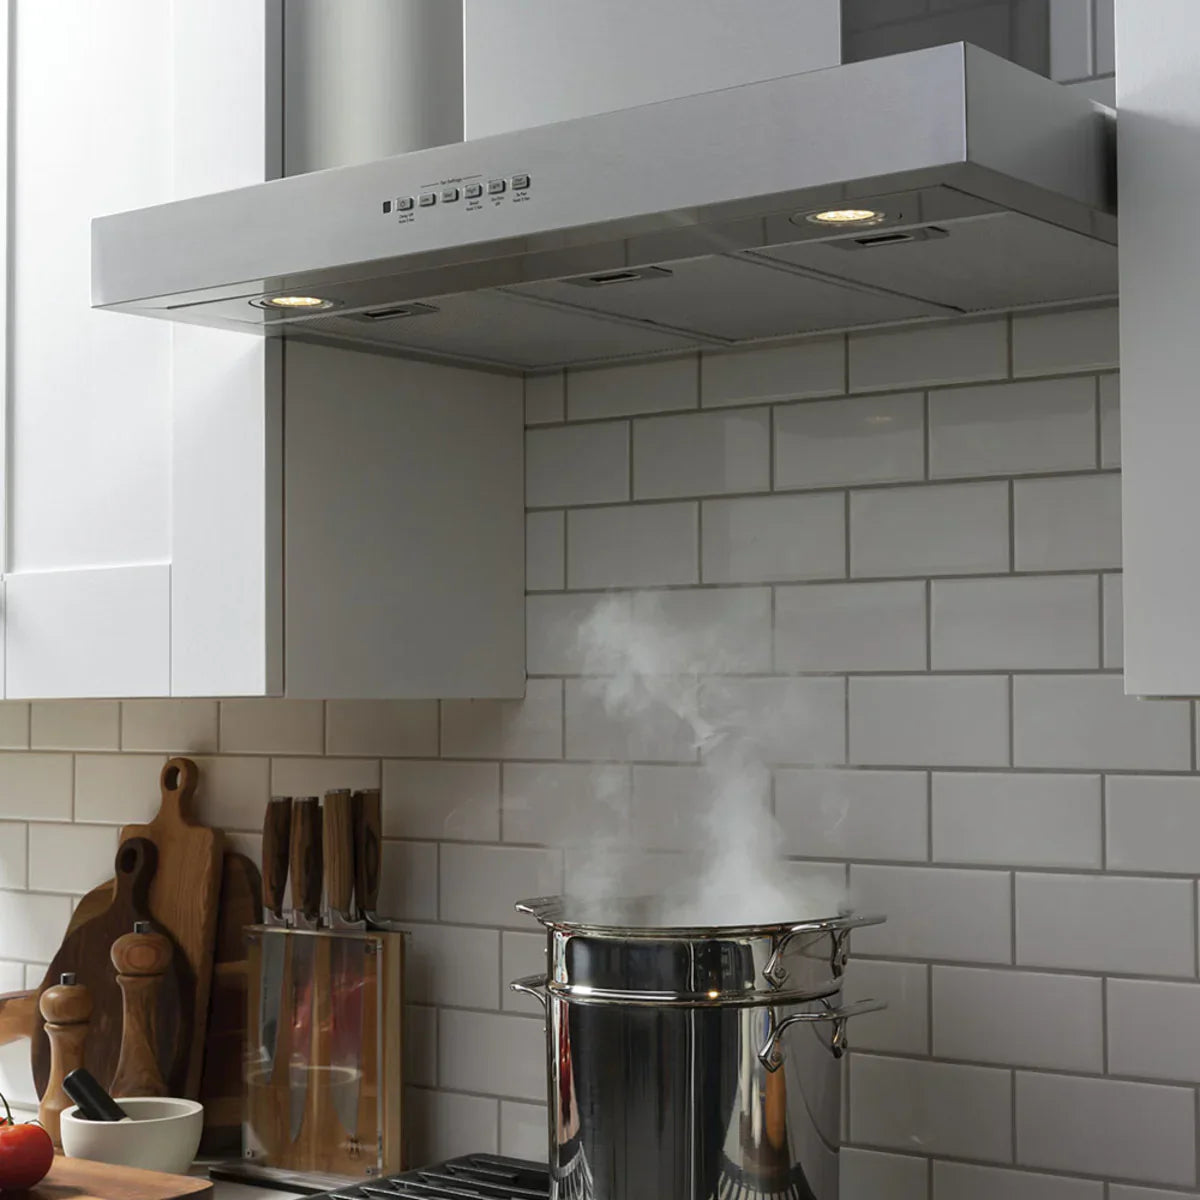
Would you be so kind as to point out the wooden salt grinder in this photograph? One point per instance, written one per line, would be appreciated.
(66, 1009)
(141, 959)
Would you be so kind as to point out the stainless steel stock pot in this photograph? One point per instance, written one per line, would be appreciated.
(692, 1063)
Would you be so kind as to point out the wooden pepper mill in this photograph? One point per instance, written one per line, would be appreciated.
(141, 959)
(66, 1009)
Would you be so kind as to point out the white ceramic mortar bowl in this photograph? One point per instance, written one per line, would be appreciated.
(162, 1134)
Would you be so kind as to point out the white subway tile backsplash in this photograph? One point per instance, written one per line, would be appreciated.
(1077, 340)
(1084, 721)
(552, 623)
(170, 726)
(598, 729)
(1106, 1127)
(490, 1052)
(870, 1175)
(528, 728)
(392, 728)
(544, 398)
(1120, 1191)
(420, 1045)
(902, 1027)
(316, 776)
(408, 887)
(75, 725)
(962, 1181)
(521, 955)
(916, 721)
(233, 792)
(577, 464)
(1019, 1018)
(14, 724)
(773, 538)
(272, 727)
(109, 788)
(929, 355)
(1114, 925)
(480, 884)
(452, 965)
(788, 721)
(709, 630)
(14, 863)
(1016, 623)
(545, 551)
(813, 367)
(1110, 420)
(32, 925)
(1072, 523)
(702, 454)
(853, 814)
(931, 1108)
(1013, 428)
(523, 1130)
(70, 858)
(622, 391)
(1154, 1029)
(1153, 823)
(442, 1125)
(633, 546)
(558, 804)
(851, 627)
(1008, 819)
(951, 529)
(454, 801)
(865, 439)
(935, 913)
(35, 786)
(1114, 622)
(669, 804)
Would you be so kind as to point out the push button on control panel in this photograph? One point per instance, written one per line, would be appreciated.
(474, 191)
(404, 204)
(449, 195)
(496, 186)
(520, 182)
(428, 199)
(387, 206)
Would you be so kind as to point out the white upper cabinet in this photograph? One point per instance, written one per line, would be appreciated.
(1158, 96)
(153, 470)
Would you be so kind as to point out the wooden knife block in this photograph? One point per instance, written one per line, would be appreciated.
(303, 1071)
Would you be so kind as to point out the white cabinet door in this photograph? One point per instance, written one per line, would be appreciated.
(1159, 101)
(529, 62)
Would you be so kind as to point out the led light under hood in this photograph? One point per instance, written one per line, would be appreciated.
(846, 217)
(308, 303)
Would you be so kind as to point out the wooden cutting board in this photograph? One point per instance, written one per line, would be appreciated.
(185, 894)
(79, 1179)
(86, 950)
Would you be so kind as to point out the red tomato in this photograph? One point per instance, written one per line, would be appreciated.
(26, 1153)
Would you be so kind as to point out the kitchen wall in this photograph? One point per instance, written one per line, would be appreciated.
(925, 519)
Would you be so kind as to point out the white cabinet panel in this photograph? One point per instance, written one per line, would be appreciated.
(88, 633)
(404, 550)
(1160, 286)
(89, 421)
(528, 62)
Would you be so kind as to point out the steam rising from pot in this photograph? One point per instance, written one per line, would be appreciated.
(673, 680)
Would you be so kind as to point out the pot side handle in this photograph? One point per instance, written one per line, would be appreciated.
(535, 986)
(771, 1052)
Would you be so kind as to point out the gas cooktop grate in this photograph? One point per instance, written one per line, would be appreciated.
(473, 1177)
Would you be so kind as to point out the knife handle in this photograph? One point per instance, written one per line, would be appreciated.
(276, 848)
(368, 848)
(339, 852)
(307, 865)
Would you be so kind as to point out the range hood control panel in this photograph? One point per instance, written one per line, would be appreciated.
(473, 192)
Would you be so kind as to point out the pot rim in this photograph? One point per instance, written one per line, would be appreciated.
(548, 910)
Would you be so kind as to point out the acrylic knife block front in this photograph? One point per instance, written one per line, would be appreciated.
(300, 1099)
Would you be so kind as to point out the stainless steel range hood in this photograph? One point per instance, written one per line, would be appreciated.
(691, 222)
